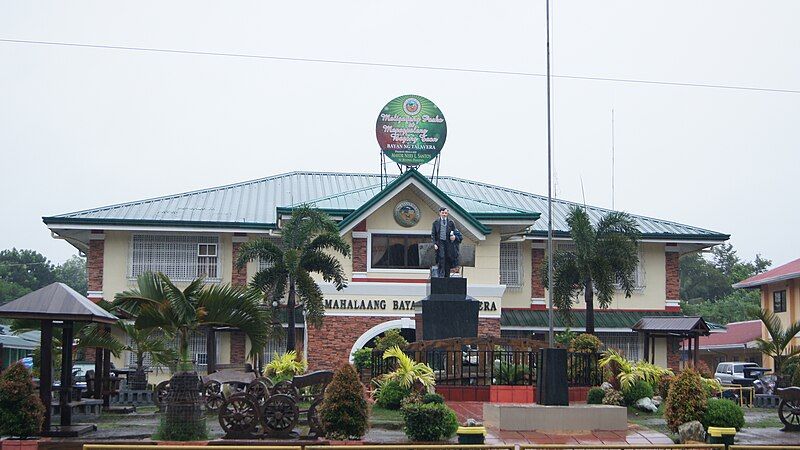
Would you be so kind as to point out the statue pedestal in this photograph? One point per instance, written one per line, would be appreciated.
(447, 311)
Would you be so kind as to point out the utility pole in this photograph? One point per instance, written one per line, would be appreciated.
(550, 337)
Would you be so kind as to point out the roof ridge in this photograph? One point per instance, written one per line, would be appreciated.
(569, 202)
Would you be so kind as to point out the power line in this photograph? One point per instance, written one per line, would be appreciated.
(404, 66)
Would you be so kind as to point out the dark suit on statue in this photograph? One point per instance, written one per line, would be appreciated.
(447, 253)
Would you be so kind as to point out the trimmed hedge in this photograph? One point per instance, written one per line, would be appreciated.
(595, 396)
(428, 422)
(723, 413)
(640, 389)
(345, 412)
(391, 395)
(21, 411)
(432, 398)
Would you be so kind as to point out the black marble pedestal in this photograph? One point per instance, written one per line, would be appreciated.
(447, 311)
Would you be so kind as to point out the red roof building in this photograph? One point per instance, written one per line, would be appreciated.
(737, 343)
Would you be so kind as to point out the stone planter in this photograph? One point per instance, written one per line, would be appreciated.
(471, 435)
(184, 407)
(31, 443)
(137, 381)
(511, 394)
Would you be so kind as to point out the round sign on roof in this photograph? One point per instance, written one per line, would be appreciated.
(411, 130)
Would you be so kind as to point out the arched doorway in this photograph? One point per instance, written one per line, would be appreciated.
(404, 323)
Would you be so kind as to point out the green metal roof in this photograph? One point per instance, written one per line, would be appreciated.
(254, 205)
(529, 318)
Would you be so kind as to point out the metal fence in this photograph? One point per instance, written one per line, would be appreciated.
(493, 367)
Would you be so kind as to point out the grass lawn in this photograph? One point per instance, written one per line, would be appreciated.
(379, 414)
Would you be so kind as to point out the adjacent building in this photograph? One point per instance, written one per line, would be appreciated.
(199, 233)
(780, 293)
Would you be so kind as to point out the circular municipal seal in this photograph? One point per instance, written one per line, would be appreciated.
(406, 214)
(411, 106)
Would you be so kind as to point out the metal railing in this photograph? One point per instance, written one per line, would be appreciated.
(621, 446)
(416, 447)
(493, 367)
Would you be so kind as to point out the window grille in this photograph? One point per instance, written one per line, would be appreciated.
(626, 343)
(181, 258)
(511, 264)
(274, 344)
(197, 348)
(638, 274)
(262, 265)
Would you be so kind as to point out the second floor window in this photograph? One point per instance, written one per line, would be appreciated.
(511, 264)
(181, 258)
(397, 251)
(779, 301)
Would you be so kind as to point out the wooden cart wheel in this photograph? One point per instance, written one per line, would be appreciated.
(214, 402)
(258, 389)
(212, 388)
(315, 425)
(789, 413)
(280, 415)
(239, 414)
(286, 388)
(162, 390)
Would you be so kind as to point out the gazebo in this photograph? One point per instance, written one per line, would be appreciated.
(689, 328)
(57, 304)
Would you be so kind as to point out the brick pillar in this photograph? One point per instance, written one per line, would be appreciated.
(94, 265)
(673, 281)
(238, 276)
(488, 327)
(537, 287)
(418, 326)
(360, 248)
(238, 348)
(673, 354)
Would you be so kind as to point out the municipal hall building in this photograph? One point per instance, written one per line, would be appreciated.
(199, 233)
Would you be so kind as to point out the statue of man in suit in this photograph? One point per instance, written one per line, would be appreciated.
(445, 239)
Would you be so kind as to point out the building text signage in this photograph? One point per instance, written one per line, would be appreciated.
(384, 306)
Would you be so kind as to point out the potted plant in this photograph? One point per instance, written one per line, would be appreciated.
(471, 432)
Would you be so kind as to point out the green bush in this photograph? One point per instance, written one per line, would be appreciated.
(663, 386)
(796, 378)
(585, 343)
(639, 389)
(345, 413)
(613, 397)
(189, 431)
(432, 398)
(686, 400)
(362, 358)
(723, 413)
(390, 339)
(428, 422)
(509, 373)
(595, 396)
(391, 394)
(21, 411)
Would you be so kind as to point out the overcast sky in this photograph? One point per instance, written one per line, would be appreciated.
(85, 127)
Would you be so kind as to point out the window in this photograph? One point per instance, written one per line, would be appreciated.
(262, 265)
(638, 274)
(197, 348)
(511, 264)
(626, 343)
(181, 258)
(779, 301)
(397, 251)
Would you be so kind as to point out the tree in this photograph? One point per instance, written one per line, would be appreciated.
(604, 257)
(700, 279)
(158, 303)
(734, 307)
(307, 240)
(778, 347)
(26, 268)
(72, 272)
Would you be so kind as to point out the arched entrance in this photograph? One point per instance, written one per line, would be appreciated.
(405, 322)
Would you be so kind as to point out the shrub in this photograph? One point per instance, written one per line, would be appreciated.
(585, 343)
(362, 358)
(344, 413)
(188, 431)
(432, 398)
(640, 389)
(391, 394)
(391, 338)
(613, 397)
(285, 367)
(427, 422)
(686, 400)
(663, 386)
(509, 373)
(723, 413)
(595, 396)
(21, 411)
(702, 368)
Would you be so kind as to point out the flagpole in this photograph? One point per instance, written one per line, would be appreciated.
(550, 336)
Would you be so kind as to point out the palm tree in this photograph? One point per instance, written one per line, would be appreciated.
(604, 256)
(158, 303)
(307, 241)
(779, 344)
